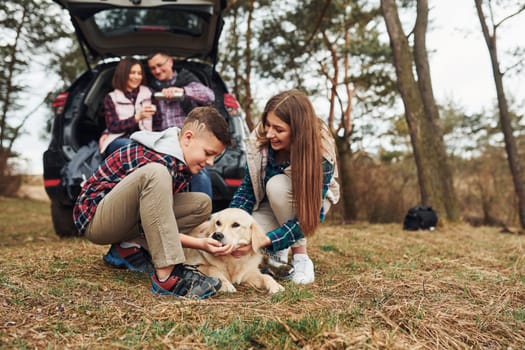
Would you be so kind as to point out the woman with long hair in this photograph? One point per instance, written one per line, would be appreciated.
(290, 181)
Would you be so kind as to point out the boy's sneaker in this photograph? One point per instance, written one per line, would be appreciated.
(278, 258)
(276, 265)
(186, 281)
(133, 258)
(304, 269)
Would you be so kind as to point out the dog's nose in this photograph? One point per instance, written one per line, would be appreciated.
(218, 236)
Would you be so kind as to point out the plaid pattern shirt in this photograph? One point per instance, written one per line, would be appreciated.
(117, 166)
(171, 110)
(287, 234)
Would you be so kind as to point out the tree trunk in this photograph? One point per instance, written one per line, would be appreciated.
(248, 101)
(504, 115)
(7, 95)
(344, 151)
(441, 176)
(346, 179)
(434, 176)
(241, 73)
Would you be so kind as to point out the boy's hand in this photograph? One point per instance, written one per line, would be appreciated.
(215, 247)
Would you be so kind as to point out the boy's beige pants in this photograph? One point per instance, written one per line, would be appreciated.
(144, 197)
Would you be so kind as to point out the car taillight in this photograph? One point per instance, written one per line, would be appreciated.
(231, 102)
(60, 102)
(233, 182)
(51, 182)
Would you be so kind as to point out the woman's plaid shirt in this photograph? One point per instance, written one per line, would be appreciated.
(288, 233)
(117, 166)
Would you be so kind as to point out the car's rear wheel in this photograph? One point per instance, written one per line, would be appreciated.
(62, 217)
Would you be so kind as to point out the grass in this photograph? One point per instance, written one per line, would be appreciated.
(377, 287)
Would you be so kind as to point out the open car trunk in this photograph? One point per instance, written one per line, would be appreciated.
(114, 28)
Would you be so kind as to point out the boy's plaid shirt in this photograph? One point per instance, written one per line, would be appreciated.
(117, 166)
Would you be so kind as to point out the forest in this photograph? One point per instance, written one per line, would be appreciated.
(366, 65)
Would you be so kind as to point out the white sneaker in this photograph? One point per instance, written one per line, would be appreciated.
(304, 269)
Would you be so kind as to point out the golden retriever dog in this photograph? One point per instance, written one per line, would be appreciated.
(235, 226)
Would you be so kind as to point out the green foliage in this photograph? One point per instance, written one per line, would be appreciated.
(237, 334)
(329, 248)
(386, 156)
(519, 314)
(68, 64)
(292, 50)
(30, 29)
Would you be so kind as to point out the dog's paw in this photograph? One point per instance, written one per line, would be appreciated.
(228, 288)
(276, 288)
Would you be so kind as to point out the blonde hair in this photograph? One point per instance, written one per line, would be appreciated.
(295, 109)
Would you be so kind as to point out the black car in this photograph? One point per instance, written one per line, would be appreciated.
(108, 30)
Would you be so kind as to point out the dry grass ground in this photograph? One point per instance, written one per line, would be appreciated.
(377, 287)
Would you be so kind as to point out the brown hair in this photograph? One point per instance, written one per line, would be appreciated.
(208, 118)
(121, 75)
(295, 109)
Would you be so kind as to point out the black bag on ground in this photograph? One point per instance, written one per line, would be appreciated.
(421, 217)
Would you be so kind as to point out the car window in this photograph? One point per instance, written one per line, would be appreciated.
(119, 21)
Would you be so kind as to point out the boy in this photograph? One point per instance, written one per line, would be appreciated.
(135, 198)
(183, 91)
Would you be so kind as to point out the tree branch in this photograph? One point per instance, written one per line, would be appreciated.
(16, 130)
(510, 16)
(318, 24)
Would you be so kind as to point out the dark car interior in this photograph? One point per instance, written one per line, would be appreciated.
(92, 124)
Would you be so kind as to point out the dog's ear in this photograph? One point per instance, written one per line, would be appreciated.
(258, 236)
